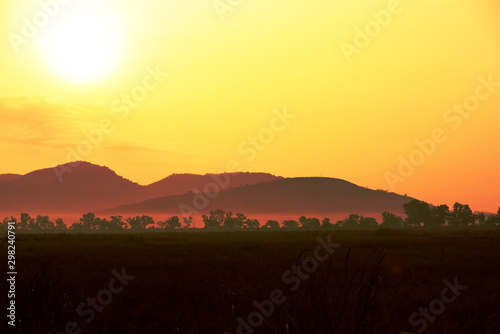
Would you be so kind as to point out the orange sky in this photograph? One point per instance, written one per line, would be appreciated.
(356, 102)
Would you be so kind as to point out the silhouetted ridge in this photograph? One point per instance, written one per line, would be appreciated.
(4, 178)
(83, 186)
(177, 184)
(80, 185)
(289, 195)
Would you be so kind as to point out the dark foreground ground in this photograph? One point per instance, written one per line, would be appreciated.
(207, 282)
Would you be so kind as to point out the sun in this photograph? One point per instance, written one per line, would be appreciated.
(84, 43)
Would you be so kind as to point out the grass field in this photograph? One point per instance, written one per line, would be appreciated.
(207, 282)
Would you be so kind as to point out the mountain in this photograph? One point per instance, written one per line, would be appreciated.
(82, 187)
(6, 178)
(176, 184)
(290, 195)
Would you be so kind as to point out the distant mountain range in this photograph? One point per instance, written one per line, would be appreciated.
(176, 184)
(302, 195)
(89, 187)
(8, 177)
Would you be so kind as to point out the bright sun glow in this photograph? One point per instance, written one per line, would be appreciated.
(84, 44)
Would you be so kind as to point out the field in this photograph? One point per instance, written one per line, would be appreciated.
(244, 282)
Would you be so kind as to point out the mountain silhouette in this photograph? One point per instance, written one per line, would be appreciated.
(83, 187)
(87, 187)
(177, 184)
(6, 178)
(289, 195)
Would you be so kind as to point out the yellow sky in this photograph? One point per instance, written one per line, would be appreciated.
(357, 104)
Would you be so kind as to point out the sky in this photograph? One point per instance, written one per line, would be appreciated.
(395, 95)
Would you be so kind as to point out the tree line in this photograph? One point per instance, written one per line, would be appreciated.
(90, 221)
(418, 213)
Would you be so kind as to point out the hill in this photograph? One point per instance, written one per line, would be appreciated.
(287, 196)
(86, 187)
(82, 187)
(177, 184)
(5, 178)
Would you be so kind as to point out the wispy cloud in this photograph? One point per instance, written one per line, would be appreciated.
(123, 144)
(44, 121)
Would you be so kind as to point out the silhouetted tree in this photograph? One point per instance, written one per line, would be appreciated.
(170, 223)
(241, 217)
(139, 222)
(367, 222)
(187, 221)
(11, 219)
(117, 223)
(326, 223)
(174, 222)
(33, 224)
(251, 223)
(391, 220)
(25, 221)
(417, 212)
(5, 222)
(162, 224)
(492, 220)
(461, 215)
(233, 222)
(146, 221)
(215, 219)
(438, 215)
(77, 226)
(309, 222)
(43, 223)
(101, 224)
(351, 222)
(134, 223)
(272, 224)
(480, 218)
(88, 221)
(60, 225)
(290, 223)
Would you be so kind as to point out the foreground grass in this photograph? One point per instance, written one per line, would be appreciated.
(201, 282)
